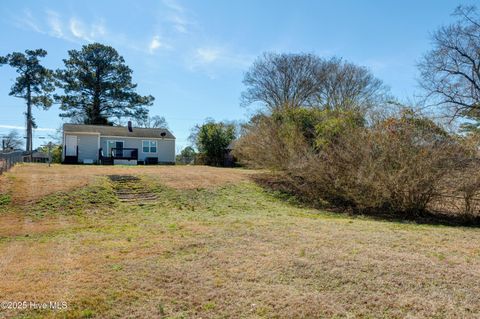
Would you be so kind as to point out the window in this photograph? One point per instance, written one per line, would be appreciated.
(149, 146)
(117, 145)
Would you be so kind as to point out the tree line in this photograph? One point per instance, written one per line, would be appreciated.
(95, 86)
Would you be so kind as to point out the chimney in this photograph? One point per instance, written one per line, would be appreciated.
(130, 129)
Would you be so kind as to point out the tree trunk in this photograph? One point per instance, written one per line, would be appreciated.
(29, 120)
(97, 117)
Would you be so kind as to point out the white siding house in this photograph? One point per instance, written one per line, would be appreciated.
(101, 144)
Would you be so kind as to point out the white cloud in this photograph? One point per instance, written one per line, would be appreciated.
(221, 56)
(74, 29)
(27, 21)
(173, 5)
(214, 59)
(14, 127)
(55, 24)
(211, 59)
(177, 16)
(156, 43)
(179, 23)
(207, 55)
(78, 31)
(67, 28)
(87, 32)
(98, 30)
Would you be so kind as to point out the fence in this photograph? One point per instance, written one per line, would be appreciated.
(7, 160)
(456, 204)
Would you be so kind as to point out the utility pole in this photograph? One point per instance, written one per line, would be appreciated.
(29, 123)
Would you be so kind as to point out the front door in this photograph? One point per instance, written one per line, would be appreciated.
(117, 145)
(71, 145)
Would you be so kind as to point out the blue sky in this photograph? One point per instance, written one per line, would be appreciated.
(191, 55)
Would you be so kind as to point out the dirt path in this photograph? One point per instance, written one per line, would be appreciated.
(132, 189)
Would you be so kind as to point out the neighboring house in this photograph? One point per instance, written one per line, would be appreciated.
(101, 144)
(38, 157)
(35, 157)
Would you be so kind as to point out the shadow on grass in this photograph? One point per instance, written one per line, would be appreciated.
(288, 192)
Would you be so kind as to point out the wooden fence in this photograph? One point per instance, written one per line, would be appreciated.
(7, 160)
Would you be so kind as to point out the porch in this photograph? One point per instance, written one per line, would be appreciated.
(119, 155)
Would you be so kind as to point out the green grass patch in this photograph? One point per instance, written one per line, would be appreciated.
(5, 199)
(98, 197)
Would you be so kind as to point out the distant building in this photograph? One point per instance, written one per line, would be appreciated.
(35, 157)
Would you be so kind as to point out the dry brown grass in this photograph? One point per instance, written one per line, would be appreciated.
(30, 182)
(232, 252)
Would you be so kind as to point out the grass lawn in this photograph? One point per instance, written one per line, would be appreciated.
(209, 243)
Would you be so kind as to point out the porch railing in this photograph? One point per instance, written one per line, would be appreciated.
(124, 153)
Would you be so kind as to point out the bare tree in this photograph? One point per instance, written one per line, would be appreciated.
(347, 86)
(155, 121)
(450, 72)
(12, 140)
(282, 80)
(295, 80)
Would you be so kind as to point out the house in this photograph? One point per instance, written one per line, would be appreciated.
(37, 157)
(102, 144)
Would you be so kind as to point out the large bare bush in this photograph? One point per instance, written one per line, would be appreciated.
(271, 141)
(460, 191)
(398, 164)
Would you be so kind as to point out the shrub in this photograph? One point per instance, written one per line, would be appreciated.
(397, 164)
(212, 139)
(186, 156)
(266, 143)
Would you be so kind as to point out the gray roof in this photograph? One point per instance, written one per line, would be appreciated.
(121, 131)
(39, 154)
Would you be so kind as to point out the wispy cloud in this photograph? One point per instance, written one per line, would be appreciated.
(179, 22)
(175, 31)
(15, 127)
(55, 24)
(87, 32)
(27, 21)
(71, 29)
(207, 55)
(177, 16)
(213, 59)
(223, 56)
(173, 5)
(77, 30)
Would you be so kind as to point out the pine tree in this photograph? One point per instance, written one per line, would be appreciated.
(97, 86)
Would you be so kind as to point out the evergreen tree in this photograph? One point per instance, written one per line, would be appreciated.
(97, 86)
(34, 84)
